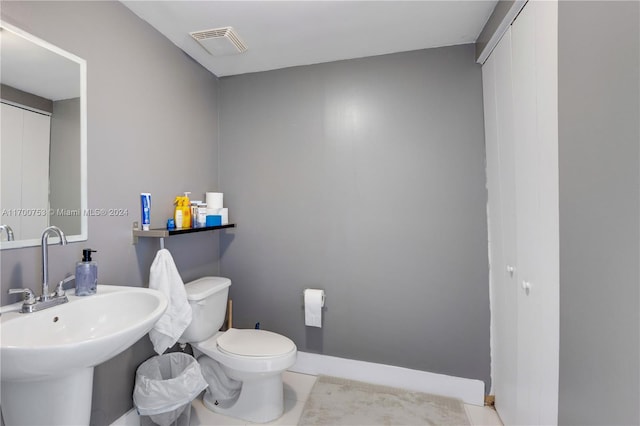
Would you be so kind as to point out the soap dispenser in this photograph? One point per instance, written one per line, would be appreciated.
(86, 274)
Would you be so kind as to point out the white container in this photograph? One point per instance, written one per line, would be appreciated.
(224, 213)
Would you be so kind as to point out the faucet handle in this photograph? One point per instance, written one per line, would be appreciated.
(27, 295)
(60, 288)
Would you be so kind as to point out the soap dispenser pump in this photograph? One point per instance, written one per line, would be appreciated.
(86, 274)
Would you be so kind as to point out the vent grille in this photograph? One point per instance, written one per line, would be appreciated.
(220, 41)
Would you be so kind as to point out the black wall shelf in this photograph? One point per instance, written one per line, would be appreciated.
(165, 233)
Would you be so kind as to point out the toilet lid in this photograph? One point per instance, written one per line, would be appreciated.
(204, 287)
(254, 343)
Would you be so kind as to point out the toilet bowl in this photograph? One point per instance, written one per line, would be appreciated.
(256, 358)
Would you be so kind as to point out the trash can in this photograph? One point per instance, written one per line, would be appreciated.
(165, 386)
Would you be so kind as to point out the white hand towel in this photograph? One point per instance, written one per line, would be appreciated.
(164, 277)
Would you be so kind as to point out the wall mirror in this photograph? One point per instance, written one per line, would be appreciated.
(43, 144)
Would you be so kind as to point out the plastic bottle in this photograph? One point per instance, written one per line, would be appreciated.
(194, 214)
(186, 211)
(86, 274)
(178, 213)
(202, 215)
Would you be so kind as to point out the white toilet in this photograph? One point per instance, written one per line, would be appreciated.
(256, 358)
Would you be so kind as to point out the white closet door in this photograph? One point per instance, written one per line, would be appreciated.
(25, 171)
(498, 97)
(547, 295)
(534, 47)
(35, 173)
(521, 125)
(11, 167)
(524, 90)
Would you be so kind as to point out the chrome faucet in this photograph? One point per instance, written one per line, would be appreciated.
(31, 303)
(8, 230)
(45, 257)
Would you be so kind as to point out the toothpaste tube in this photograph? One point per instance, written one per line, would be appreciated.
(145, 200)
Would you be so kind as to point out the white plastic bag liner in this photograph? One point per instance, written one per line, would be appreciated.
(172, 418)
(222, 388)
(166, 383)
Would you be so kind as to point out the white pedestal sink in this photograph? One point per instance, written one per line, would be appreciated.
(47, 358)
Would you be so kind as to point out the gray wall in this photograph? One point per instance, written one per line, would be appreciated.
(152, 126)
(11, 94)
(64, 164)
(599, 46)
(364, 178)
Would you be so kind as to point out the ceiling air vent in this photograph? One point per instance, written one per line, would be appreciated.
(220, 41)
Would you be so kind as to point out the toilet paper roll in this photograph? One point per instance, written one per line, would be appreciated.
(214, 200)
(313, 303)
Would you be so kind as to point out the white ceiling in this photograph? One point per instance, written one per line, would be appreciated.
(34, 69)
(282, 34)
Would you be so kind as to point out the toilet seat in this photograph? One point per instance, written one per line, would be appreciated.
(249, 364)
(254, 343)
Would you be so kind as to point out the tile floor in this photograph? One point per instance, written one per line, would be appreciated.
(297, 388)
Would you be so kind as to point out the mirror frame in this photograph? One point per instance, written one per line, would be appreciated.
(4, 245)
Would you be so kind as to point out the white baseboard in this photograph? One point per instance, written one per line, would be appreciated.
(470, 391)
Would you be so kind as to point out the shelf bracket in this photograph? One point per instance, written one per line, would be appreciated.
(135, 237)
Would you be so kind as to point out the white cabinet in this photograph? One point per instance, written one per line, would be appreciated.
(521, 125)
(25, 171)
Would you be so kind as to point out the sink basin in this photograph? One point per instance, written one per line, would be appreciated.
(82, 333)
(54, 351)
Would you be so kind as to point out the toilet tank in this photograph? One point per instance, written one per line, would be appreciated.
(208, 299)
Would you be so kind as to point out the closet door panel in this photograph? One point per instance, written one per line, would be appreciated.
(11, 166)
(509, 268)
(547, 295)
(535, 119)
(35, 173)
(501, 189)
(499, 305)
(526, 164)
